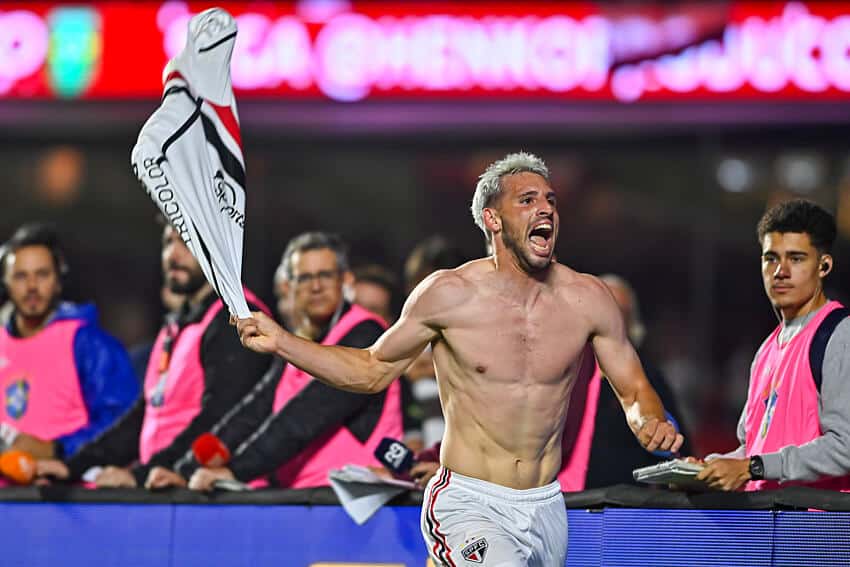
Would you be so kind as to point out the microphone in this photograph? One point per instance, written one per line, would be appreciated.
(394, 455)
(210, 451)
(18, 466)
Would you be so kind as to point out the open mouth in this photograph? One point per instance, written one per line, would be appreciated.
(541, 238)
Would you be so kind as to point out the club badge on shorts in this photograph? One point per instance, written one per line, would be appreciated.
(475, 551)
(17, 398)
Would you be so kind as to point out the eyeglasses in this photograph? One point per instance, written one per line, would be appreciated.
(324, 276)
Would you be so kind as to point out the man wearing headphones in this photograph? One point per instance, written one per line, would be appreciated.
(796, 423)
(63, 379)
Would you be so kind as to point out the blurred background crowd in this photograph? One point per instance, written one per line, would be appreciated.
(664, 191)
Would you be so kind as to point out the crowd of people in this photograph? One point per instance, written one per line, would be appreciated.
(286, 411)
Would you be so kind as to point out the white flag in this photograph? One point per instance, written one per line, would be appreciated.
(189, 155)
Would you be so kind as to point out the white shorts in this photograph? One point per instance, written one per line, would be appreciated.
(466, 521)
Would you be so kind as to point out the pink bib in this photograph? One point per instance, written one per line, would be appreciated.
(782, 403)
(579, 427)
(338, 447)
(39, 381)
(173, 395)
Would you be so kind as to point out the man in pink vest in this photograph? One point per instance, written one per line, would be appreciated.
(197, 372)
(63, 380)
(313, 428)
(795, 426)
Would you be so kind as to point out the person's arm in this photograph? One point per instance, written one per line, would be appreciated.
(364, 370)
(229, 373)
(243, 419)
(620, 363)
(314, 411)
(829, 454)
(118, 445)
(668, 398)
(107, 382)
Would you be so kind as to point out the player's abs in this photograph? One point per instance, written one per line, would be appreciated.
(502, 447)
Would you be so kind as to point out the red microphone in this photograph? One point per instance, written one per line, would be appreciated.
(18, 466)
(209, 451)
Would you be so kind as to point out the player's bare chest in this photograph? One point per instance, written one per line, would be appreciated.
(519, 339)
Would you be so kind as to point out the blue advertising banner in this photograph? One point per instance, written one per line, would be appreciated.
(210, 535)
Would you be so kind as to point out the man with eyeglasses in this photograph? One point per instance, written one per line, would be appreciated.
(313, 427)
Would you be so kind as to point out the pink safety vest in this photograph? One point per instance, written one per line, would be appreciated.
(174, 403)
(579, 427)
(338, 447)
(39, 381)
(782, 402)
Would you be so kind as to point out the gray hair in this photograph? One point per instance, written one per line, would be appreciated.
(315, 241)
(280, 274)
(490, 182)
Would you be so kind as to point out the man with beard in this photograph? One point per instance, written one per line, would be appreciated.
(297, 427)
(64, 380)
(197, 371)
(509, 334)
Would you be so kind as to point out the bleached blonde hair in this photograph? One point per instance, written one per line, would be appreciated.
(490, 182)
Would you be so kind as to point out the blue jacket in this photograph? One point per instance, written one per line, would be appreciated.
(107, 381)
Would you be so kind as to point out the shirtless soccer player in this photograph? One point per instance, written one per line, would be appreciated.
(508, 334)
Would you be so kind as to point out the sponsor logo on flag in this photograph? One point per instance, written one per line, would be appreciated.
(226, 195)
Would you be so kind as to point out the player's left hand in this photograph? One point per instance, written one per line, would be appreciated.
(725, 474)
(657, 435)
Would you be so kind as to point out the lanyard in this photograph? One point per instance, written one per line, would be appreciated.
(172, 331)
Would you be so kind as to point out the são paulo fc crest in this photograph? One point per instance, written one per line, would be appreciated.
(17, 398)
(475, 551)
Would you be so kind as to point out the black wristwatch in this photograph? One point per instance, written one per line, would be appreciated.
(756, 468)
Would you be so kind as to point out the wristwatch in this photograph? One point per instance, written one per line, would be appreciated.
(756, 468)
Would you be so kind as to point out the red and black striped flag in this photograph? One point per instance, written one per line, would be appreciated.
(189, 155)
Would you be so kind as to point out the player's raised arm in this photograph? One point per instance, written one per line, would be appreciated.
(360, 370)
(620, 363)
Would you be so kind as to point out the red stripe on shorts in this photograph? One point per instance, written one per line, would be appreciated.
(439, 538)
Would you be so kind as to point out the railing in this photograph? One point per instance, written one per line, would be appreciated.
(619, 525)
